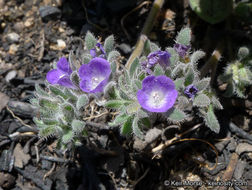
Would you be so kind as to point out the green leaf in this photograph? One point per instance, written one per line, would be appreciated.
(243, 52)
(178, 70)
(179, 83)
(57, 91)
(158, 70)
(141, 114)
(68, 111)
(133, 107)
(133, 67)
(74, 77)
(184, 37)
(202, 84)
(176, 115)
(67, 137)
(82, 101)
(201, 100)
(113, 66)
(48, 104)
(216, 103)
(126, 129)
(109, 90)
(137, 83)
(86, 58)
(189, 76)
(213, 11)
(196, 56)
(113, 56)
(46, 130)
(211, 120)
(115, 104)
(40, 91)
(230, 90)
(147, 48)
(154, 47)
(174, 57)
(78, 126)
(135, 128)
(183, 102)
(109, 44)
(70, 94)
(119, 119)
(90, 41)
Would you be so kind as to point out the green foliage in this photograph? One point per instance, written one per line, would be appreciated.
(184, 36)
(90, 41)
(109, 44)
(213, 11)
(211, 120)
(201, 100)
(176, 115)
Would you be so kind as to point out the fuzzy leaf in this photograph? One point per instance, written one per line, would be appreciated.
(123, 95)
(179, 83)
(174, 57)
(57, 91)
(141, 114)
(230, 90)
(40, 91)
(183, 102)
(133, 67)
(189, 76)
(67, 137)
(86, 58)
(82, 101)
(109, 90)
(147, 48)
(202, 84)
(46, 130)
(115, 104)
(243, 52)
(70, 94)
(113, 66)
(127, 126)
(90, 41)
(211, 120)
(196, 56)
(178, 70)
(216, 103)
(135, 128)
(133, 107)
(48, 104)
(184, 36)
(176, 115)
(154, 47)
(113, 56)
(68, 111)
(109, 44)
(74, 77)
(213, 11)
(78, 126)
(138, 83)
(158, 70)
(201, 100)
(119, 119)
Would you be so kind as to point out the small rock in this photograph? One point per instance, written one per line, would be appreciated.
(59, 46)
(49, 13)
(7, 181)
(21, 159)
(13, 49)
(13, 37)
(152, 134)
(243, 147)
(4, 100)
(11, 75)
(125, 48)
(1, 4)
(19, 26)
(239, 169)
(29, 22)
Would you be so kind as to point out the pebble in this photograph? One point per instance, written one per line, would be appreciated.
(13, 37)
(49, 13)
(11, 75)
(19, 26)
(29, 22)
(61, 44)
(125, 48)
(13, 49)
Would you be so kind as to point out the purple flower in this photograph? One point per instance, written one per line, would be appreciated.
(181, 49)
(98, 49)
(94, 75)
(158, 94)
(61, 75)
(161, 57)
(190, 91)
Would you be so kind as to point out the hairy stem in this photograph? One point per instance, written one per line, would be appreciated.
(148, 25)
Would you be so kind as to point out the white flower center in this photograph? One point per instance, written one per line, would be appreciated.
(95, 81)
(156, 99)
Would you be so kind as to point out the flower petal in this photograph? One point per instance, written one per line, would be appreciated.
(92, 52)
(94, 75)
(65, 81)
(53, 76)
(64, 66)
(158, 94)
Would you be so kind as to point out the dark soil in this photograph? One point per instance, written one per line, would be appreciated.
(35, 33)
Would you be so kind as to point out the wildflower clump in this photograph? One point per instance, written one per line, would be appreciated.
(159, 82)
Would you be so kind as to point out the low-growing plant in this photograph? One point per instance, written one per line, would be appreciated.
(159, 82)
(237, 74)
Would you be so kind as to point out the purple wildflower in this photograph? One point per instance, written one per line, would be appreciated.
(98, 49)
(61, 75)
(181, 49)
(190, 91)
(161, 57)
(94, 75)
(158, 94)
